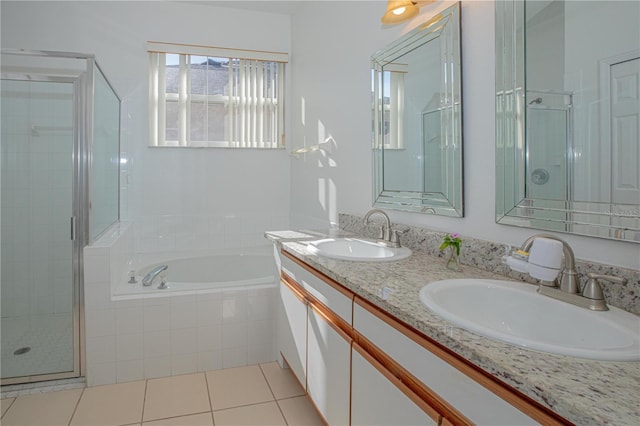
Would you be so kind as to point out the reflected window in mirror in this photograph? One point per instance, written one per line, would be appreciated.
(568, 116)
(417, 119)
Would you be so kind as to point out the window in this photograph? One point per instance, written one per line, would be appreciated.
(215, 97)
(388, 89)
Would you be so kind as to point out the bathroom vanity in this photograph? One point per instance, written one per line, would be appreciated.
(367, 351)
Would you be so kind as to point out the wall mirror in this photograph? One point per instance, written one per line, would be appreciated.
(567, 116)
(417, 119)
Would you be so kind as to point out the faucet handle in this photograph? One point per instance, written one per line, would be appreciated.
(593, 290)
(395, 238)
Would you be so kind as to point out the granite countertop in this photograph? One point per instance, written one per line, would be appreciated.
(584, 392)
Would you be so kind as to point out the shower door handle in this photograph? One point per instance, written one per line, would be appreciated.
(73, 228)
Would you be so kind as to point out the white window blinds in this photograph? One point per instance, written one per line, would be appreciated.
(215, 97)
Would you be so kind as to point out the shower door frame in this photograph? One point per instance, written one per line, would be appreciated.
(79, 222)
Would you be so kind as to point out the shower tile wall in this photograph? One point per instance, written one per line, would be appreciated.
(36, 199)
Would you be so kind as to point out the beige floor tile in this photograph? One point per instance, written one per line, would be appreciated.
(5, 404)
(281, 380)
(203, 419)
(176, 396)
(298, 411)
(265, 414)
(235, 387)
(50, 408)
(117, 404)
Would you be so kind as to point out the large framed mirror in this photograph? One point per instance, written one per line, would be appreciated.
(567, 116)
(417, 119)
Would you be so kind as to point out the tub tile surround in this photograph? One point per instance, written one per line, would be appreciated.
(167, 233)
(487, 255)
(584, 391)
(136, 339)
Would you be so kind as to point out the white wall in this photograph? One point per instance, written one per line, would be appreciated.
(331, 46)
(208, 198)
(590, 39)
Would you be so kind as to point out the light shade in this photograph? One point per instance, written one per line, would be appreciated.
(399, 11)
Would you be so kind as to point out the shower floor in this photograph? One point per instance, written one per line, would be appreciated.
(50, 339)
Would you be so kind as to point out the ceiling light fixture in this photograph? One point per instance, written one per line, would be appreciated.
(399, 11)
(402, 10)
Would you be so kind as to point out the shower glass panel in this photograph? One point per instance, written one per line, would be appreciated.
(60, 169)
(548, 168)
(37, 204)
(105, 156)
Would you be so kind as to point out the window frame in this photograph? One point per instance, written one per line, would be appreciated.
(240, 102)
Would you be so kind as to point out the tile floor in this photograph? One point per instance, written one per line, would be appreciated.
(255, 395)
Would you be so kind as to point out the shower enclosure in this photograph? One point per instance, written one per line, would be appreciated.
(60, 135)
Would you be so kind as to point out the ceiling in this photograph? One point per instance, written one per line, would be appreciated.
(282, 7)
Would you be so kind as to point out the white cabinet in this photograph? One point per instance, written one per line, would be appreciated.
(292, 330)
(328, 374)
(362, 366)
(321, 289)
(462, 393)
(311, 337)
(378, 398)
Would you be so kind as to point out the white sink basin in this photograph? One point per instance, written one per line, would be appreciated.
(515, 313)
(357, 249)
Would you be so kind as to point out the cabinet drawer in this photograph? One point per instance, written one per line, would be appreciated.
(336, 298)
(466, 395)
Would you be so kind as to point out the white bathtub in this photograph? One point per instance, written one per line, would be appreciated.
(201, 273)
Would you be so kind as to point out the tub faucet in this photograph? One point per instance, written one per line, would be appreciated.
(148, 279)
(389, 237)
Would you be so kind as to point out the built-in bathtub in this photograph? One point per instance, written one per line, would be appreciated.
(135, 333)
(200, 273)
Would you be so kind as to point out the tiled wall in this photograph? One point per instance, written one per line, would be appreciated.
(203, 232)
(137, 339)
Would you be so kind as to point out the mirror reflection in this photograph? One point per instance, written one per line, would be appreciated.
(417, 119)
(568, 111)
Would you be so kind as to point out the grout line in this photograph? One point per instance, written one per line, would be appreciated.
(206, 382)
(144, 400)
(244, 406)
(75, 409)
(179, 416)
(274, 395)
(267, 380)
(282, 413)
(291, 397)
(9, 407)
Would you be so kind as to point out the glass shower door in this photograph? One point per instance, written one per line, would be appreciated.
(39, 333)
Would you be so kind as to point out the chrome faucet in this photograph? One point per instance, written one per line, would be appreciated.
(152, 274)
(569, 276)
(389, 237)
(568, 289)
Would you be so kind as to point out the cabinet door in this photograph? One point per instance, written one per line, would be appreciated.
(378, 398)
(328, 375)
(292, 330)
(465, 396)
